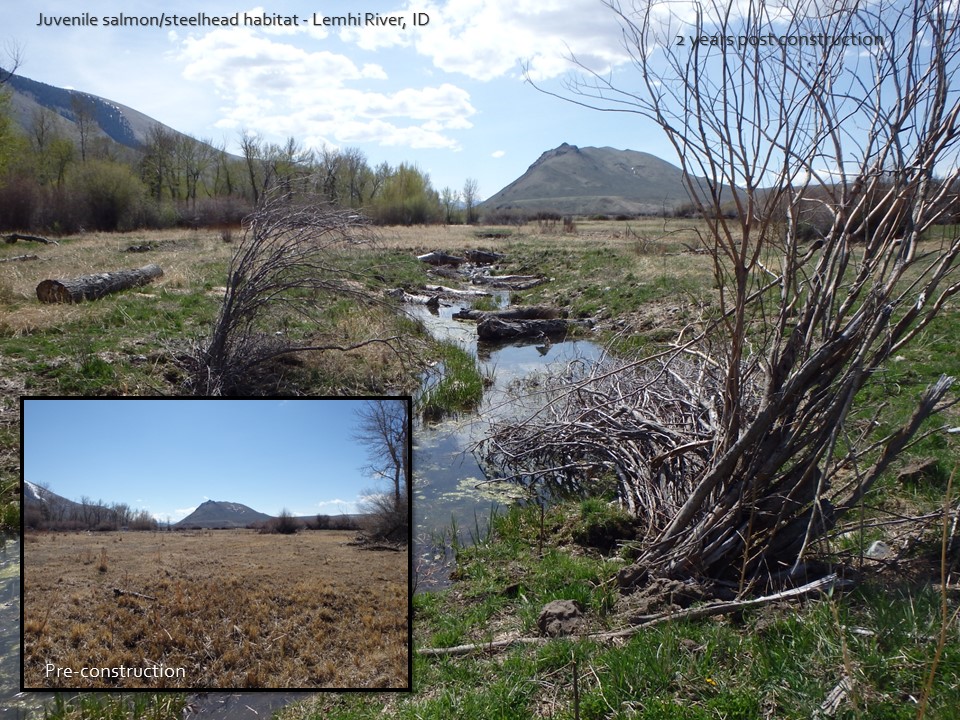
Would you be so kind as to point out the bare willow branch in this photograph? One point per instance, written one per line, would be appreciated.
(746, 448)
(294, 258)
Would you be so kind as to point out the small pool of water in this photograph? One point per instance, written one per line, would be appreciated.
(450, 488)
(14, 705)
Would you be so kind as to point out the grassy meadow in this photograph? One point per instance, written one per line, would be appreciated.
(892, 643)
(233, 608)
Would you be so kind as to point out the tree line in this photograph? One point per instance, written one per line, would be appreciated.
(60, 514)
(60, 179)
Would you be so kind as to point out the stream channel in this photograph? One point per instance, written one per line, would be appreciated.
(450, 496)
(451, 493)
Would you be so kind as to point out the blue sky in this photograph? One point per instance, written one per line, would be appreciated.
(450, 96)
(168, 456)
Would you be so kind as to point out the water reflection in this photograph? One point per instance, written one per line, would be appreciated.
(451, 493)
(13, 704)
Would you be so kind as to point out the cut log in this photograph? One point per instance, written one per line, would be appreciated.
(520, 312)
(93, 287)
(510, 282)
(15, 258)
(497, 330)
(13, 237)
(453, 292)
(431, 301)
(440, 258)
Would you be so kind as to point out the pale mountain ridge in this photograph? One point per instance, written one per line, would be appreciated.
(590, 180)
(120, 123)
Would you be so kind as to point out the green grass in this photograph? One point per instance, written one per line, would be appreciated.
(778, 661)
(129, 706)
(459, 387)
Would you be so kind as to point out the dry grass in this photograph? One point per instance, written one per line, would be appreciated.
(185, 257)
(233, 608)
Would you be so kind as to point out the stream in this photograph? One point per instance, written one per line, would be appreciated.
(13, 704)
(450, 496)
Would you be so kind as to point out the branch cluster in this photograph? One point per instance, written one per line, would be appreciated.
(293, 258)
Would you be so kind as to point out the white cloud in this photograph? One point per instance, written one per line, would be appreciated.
(284, 90)
(498, 153)
(487, 39)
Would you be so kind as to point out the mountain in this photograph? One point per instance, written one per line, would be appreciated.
(119, 123)
(36, 496)
(220, 514)
(590, 181)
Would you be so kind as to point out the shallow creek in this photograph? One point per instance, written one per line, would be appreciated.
(450, 493)
(13, 704)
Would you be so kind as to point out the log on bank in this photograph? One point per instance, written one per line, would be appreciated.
(94, 287)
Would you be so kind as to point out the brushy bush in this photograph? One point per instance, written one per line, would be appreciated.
(283, 524)
(19, 203)
(388, 521)
(111, 194)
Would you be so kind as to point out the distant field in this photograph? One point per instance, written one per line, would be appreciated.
(233, 609)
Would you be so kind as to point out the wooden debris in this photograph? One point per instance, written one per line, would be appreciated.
(829, 707)
(494, 329)
(17, 258)
(453, 292)
(440, 258)
(431, 301)
(917, 471)
(509, 282)
(519, 312)
(93, 287)
(718, 608)
(13, 237)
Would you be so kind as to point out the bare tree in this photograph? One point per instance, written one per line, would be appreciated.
(290, 262)
(82, 110)
(449, 199)
(384, 431)
(749, 438)
(14, 60)
(471, 195)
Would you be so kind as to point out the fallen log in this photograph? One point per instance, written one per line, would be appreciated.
(15, 258)
(453, 292)
(440, 258)
(520, 312)
(510, 282)
(494, 329)
(93, 287)
(823, 585)
(13, 237)
(431, 301)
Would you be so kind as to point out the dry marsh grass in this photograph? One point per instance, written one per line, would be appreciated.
(233, 608)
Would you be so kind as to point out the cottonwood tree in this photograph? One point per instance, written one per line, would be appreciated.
(471, 196)
(749, 438)
(384, 431)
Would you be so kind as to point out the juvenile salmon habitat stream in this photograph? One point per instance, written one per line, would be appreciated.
(452, 496)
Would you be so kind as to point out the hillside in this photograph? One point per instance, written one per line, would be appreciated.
(589, 181)
(110, 120)
(221, 514)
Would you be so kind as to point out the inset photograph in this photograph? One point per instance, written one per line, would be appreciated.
(216, 544)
